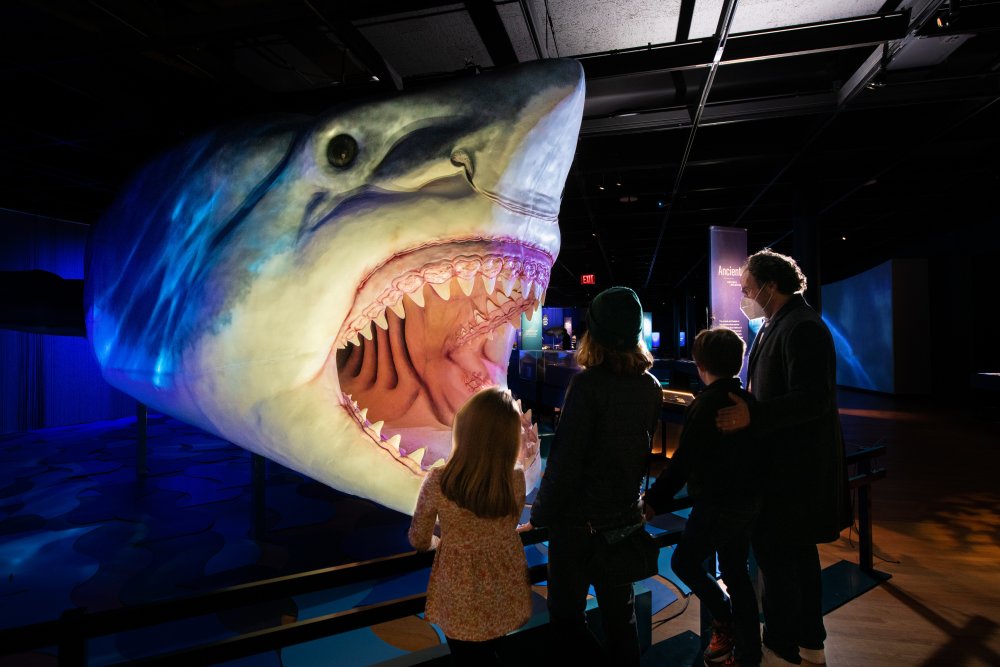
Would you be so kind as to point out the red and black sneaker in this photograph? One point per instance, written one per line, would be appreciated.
(720, 648)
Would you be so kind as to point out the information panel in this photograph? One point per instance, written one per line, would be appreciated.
(727, 252)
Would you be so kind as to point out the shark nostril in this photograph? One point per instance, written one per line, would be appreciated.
(461, 158)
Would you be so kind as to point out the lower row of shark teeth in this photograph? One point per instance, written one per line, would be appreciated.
(501, 277)
(391, 444)
(414, 459)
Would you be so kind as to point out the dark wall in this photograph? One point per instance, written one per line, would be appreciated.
(49, 380)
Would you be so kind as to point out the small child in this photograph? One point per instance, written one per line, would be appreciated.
(722, 472)
(479, 588)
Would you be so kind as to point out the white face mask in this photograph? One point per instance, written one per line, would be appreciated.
(752, 309)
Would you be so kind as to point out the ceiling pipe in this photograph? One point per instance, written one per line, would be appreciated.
(722, 34)
(593, 226)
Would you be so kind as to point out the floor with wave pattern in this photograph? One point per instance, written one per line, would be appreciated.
(78, 528)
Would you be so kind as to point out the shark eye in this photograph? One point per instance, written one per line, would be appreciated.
(342, 150)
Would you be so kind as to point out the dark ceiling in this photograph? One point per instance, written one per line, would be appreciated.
(862, 122)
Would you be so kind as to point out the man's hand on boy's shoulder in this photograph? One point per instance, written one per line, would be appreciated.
(735, 417)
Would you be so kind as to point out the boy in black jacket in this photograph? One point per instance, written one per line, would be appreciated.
(722, 472)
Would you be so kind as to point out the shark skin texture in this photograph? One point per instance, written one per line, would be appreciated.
(327, 292)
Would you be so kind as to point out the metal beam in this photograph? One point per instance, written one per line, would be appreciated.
(716, 114)
(492, 31)
(356, 43)
(721, 41)
(593, 226)
(760, 45)
(867, 72)
(684, 17)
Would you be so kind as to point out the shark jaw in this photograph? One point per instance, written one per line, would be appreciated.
(333, 314)
(429, 329)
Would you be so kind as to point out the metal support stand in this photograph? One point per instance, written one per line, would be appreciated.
(866, 560)
(141, 423)
(257, 478)
(72, 642)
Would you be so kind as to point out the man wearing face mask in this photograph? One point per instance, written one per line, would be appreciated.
(792, 374)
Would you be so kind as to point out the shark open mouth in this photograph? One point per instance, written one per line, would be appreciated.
(429, 328)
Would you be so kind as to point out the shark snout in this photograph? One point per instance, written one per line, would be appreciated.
(522, 159)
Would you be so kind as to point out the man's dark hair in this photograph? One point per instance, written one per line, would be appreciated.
(766, 266)
(719, 351)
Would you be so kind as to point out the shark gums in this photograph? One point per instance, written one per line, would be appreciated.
(328, 292)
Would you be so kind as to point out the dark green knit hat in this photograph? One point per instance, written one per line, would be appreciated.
(614, 319)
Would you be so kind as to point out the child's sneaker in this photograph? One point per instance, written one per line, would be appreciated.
(720, 648)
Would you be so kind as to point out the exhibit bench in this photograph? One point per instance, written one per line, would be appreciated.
(72, 633)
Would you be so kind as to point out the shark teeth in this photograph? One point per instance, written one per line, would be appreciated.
(417, 297)
(391, 443)
(415, 459)
(504, 279)
(506, 286)
(466, 284)
(443, 290)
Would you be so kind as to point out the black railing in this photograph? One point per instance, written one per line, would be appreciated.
(76, 627)
(865, 475)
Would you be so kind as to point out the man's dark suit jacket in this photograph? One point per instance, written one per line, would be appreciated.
(792, 373)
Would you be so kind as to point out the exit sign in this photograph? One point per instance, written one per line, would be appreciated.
(587, 279)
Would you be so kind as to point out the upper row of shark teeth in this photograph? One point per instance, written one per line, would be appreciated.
(500, 275)
(506, 312)
(413, 460)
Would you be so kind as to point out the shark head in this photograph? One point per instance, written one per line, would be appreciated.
(328, 292)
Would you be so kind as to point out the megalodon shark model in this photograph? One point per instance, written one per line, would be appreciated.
(327, 292)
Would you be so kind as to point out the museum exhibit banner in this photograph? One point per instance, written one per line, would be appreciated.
(727, 252)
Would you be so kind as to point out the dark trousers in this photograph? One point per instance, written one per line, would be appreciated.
(570, 549)
(793, 602)
(723, 527)
(472, 654)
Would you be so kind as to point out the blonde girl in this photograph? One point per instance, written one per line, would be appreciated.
(479, 588)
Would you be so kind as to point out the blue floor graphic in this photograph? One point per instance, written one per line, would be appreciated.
(77, 529)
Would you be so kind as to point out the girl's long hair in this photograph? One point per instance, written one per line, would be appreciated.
(591, 354)
(479, 476)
